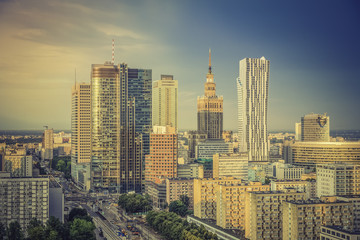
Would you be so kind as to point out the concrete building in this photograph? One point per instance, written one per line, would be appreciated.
(355, 200)
(337, 179)
(298, 131)
(231, 165)
(163, 156)
(205, 192)
(338, 233)
(81, 134)
(18, 165)
(259, 171)
(157, 191)
(192, 170)
(210, 109)
(263, 213)
(230, 203)
(47, 144)
(116, 146)
(56, 200)
(22, 199)
(208, 148)
(312, 153)
(283, 171)
(165, 102)
(303, 219)
(315, 128)
(227, 136)
(194, 138)
(252, 90)
(299, 185)
(176, 187)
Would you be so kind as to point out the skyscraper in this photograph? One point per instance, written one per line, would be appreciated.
(315, 128)
(116, 147)
(165, 102)
(81, 134)
(210, 109)
(48, 144)
(252, 87)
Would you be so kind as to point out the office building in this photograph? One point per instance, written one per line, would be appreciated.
(230, 165)
(338, 233)
(81, 134)
(301, 186)
(313, 153)
(208, 148)
(163, 156)
(315, 128)
(157, 192)
(205, 195)
(194, 138)
(210, 109)
(298, 131)
(22, 199)
(165, 102)
(285, 171)
(263, 213)
(230, 203)
(337, 179)
(252, 88)
(192, 170)
(177, 187)
(47, 151)
(302, 219)
(116, 146)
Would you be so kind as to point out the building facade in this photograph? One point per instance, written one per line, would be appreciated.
(165, 102)
(315, 128)
(116, 146)
(81, 134)
(298, 185)
(176, 187)
(252, 89)
(338, 233)
(194, 139)
(192, 170)
(47, 151)
(210, 109)
(303, 219)
(287, 171)
(231, 165)
(208, 148)
(19, 165)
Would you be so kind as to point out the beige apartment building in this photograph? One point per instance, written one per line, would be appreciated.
(338, 179)
(298, 185)
(163, 157)
(18, 165)
(263, 213)
(303, 219)
(205, 195)
(230, 203)
(231, 165)
(176, 187)
(338, 233)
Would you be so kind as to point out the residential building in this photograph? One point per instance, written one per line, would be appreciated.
(81, 134)
(230, 203)
(282, 170)
(22, 199)
(252, 88)
(312, 153)
(205, 195)
(230, 165)
(337, 179)
(338, 233)
(191, 170)
(176, 187)
(210, 109)
(116, 146)
(163, 156)
(299, 185)
(263, 213)
(47, 144)
(18, 164)
(157, 191)
(302, 219)
(165, 102)
(315, 128)
(208, 148)
(355, 200)
(194, 138)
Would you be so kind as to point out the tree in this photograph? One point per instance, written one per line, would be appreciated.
(36, 230)
(14, 231)
(2, 231)
(61, 166)
(178, 207)
(79, 213)
(185, 199)
(81, 229)
(54, 225)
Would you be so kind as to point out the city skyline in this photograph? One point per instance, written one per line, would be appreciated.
(311, 46)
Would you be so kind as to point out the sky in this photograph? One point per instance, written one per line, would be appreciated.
(313, 48)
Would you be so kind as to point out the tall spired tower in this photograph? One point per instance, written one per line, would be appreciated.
(210, 108)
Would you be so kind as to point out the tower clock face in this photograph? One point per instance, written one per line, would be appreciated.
(322, 121)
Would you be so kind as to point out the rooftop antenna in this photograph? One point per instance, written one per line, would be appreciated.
(209, 60)
(113, 52)
(75, 78)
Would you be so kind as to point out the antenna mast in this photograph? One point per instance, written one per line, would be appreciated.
(113, 52)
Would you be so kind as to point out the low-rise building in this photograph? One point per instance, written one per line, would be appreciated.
(193, 170)
(302, 219)
(299, 185)
(176, 187)
(231, 165)
(338, 233)
(285, 171)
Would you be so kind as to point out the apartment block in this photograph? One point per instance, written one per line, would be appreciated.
(263, 213)
(338, 179)
(338, 233)
(282, 170)
(18, 165)
(231, 165)
(298, 185)
(355, 200)
(302, 219)
(22, 199)
(176, 187)
(192, 170)
(205, 192)
(230, 203)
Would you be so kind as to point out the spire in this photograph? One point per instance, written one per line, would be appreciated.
(113, 52)
(209, 60)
